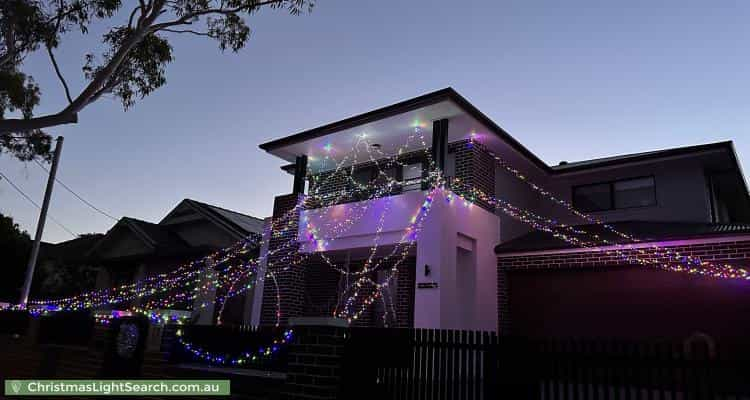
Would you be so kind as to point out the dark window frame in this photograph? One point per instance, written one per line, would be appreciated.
(417, 160)
(612, 201)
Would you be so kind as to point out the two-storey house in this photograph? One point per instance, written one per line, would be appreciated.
(426, 213)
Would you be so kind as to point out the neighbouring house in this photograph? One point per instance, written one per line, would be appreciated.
(61, 264)
(480, 262)
(133, 249)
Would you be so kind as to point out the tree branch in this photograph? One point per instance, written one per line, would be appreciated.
(186, 31)
(10, 47)
(61, 14)
(102, 82)
(21, 125)
(145, 9)
(132, 14)
(59, 74)
(187, 17)
(70, 113)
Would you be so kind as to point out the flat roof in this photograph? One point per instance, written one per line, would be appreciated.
(450, 94)
(402, 107)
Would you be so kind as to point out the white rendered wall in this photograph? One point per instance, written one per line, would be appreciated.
(398, 212)
(253, 309)
(445, 306)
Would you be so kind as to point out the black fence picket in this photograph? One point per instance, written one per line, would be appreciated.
(432, 364)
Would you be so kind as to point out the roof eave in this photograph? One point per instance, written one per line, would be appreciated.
(405, 106)
(673, 152)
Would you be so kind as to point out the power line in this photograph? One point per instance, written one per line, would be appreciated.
(76, 194)
(35, 204)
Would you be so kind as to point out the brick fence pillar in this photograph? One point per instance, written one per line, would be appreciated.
(315, 358)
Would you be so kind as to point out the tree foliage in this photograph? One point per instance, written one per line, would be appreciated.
(131, 66)
(15, 246)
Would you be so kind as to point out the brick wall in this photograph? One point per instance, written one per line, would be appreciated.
(404, 296)
(399, 299)
(475, 167)
(735, 252)
(321, 287)
(315, 361)
(290, 280)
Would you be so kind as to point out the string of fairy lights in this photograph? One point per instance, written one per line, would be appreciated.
(236, 269)
(648, 255)
(339, 228)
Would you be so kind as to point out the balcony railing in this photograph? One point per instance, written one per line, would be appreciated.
(368, 193)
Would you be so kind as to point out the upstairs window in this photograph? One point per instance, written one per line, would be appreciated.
(639, 192)
(625, 193)
(593, 197)
(412, 176)
(363, 177)
(387, 175)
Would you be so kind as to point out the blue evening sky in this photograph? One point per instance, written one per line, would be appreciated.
(570, 80)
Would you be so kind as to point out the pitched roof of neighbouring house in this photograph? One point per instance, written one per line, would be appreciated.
(161, 238)
(243, 222)
(70, 250)
(645, 231)
(157, 237)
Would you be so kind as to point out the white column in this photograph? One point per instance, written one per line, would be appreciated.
(433, 250)
(253, 313)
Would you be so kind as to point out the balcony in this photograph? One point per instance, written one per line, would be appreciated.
(356, 224)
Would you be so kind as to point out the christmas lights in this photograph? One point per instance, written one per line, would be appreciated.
(247, 357)
(232, 271)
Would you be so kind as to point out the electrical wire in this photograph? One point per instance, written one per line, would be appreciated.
(3, 176)
(95, 208)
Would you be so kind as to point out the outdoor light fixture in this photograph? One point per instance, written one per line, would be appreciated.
(427, 270)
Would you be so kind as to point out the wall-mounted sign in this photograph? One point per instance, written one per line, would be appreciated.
(427, 285)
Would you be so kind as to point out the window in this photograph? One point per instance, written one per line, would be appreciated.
(626, 193)
(387, 175)
(593, 197)
(362, 176)
(450, 166)
(637, 192)
(412, 176)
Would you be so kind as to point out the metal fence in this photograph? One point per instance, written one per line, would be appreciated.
(449, 364)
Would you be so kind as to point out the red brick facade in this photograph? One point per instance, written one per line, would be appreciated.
(289, 280)
(474, 167)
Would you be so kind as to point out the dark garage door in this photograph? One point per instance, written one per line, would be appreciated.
(626, 302)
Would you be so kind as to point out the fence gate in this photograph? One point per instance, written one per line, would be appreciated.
(419, 364)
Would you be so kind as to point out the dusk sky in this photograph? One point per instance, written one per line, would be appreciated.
(569, 80)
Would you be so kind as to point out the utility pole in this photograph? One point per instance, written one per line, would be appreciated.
(40, 224)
